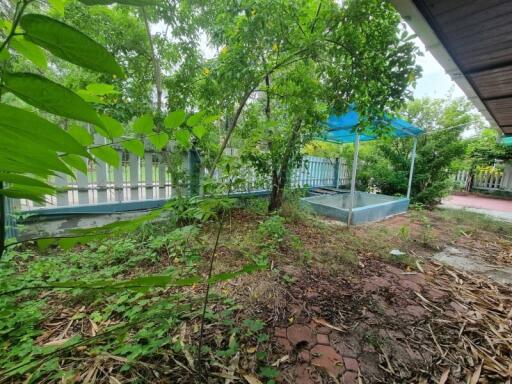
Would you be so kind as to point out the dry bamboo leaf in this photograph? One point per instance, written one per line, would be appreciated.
(444, 376)
(251, 379)
(188, 356)
(56, 342)
(326, 324)
(113, 380)
(476, 375)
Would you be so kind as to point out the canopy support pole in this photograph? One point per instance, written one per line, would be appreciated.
(353, 180)
(411, 171)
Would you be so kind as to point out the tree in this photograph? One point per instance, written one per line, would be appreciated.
(482, 152)
(320, 55)
(387, 166)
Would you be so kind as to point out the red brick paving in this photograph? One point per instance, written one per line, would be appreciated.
(471, 201)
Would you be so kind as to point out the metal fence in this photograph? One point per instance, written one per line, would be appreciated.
(487, 181)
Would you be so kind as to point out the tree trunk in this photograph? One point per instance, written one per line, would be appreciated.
(157, 74)
(280, 178)
(469, 182)
(276, 195)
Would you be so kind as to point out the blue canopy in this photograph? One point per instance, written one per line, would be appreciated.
(507, 140)
(340, 128)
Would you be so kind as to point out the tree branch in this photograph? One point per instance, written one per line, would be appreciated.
(17, 17)
(156, 64)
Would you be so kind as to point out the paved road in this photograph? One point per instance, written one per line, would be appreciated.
(498, 208)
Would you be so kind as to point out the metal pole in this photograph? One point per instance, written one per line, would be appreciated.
(336, 174)
(353, 181)
(411, 171)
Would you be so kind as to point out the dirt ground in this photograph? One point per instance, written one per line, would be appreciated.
(356, 315)
(338, 305)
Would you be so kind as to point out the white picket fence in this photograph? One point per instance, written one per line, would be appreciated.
(146, 178)
(488, 181)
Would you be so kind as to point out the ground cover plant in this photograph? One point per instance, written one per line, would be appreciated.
(319, 278)
(208, 288)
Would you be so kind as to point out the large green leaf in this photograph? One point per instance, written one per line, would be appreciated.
(50, 97)
(25, 192)
(159, 140)
(16, 122)
(107, 154)
(175, 119)
(81, 135)
(4, 55)
(11, 165)
(183, 137)
(151, 281)
(135, 146)
(199, 131)
(58, 5)
(101, 89)
(89, 97)
(195, 119)
(76, 162)
(144, 124)
(30, 51)
(12, 178)
(112, 127)
(124, 2)
(69, 44)
(38, 158)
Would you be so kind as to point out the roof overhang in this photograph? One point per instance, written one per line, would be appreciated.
(472, 40)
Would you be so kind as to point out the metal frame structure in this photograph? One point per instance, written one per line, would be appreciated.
(344, 129)
(354, 174)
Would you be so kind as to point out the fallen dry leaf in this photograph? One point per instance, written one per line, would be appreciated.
(251, 379)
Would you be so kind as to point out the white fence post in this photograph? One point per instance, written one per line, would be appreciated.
(101, 173)
(61, 181)
(133, 161)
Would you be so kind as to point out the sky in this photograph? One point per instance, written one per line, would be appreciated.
(434, 81)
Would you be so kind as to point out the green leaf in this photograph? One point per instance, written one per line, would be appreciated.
(195, 119)
(199, 131)
(76, 162)
(90, 98)
(23, 180)
(44, 244)
(68, 243)
(4, 55)
(50, 97)
(58, 5)
(18, 123)
(134, 146)
(81, 135)
(210, 119)
(30, 51)
(33, 160)
(183, 137)
(269, 372)
(143, 124)
(159, 140)
(175, 119)
(112, 127)
(36, 194)
(69, 44)
(124, 2)
(107, 154)
(101, 89)
(249, 268)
